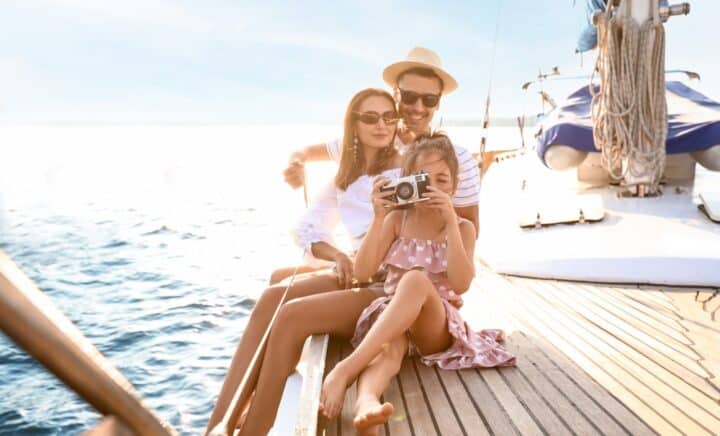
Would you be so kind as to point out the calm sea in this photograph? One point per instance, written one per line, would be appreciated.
(155, 241)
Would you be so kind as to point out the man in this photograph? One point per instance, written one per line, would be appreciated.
(418, 84)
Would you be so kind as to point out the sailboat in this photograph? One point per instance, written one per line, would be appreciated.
(608, 289)
(607, 282)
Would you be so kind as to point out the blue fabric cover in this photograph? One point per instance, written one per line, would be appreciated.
(588, 36)
(693, 122)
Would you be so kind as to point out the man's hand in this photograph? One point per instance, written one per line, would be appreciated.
(295, 171)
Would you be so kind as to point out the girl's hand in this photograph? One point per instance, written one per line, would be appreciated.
(344, 270)
(380, 202)
(442, 202)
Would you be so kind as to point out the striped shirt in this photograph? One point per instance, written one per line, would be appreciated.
(468, 188)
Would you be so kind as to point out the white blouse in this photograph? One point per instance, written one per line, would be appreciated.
(352, 207)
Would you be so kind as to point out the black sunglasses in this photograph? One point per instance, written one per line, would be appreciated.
(389, 117)
(410, 97)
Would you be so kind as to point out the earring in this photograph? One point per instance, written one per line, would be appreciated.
(355, 148)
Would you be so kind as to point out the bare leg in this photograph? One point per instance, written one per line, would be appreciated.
(334, 313)
(416, 307)
(372, 382)
(259, 320)
(281, 274)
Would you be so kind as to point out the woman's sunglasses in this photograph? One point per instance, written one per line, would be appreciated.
(389, 117)
(410, 97)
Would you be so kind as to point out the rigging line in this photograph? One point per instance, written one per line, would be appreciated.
(243, 392)
(486, 116)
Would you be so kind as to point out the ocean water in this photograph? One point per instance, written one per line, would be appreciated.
(155, 241)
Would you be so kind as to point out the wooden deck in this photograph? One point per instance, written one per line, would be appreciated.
(592, 359)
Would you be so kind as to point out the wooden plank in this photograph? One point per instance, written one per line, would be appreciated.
(521, 417)
(469, 417)
(398, 424)
(549, 383)
(697, 397)
(438, 401)
(662, 367)
(712, 306)
(637, 384)
(552, 357)
(486, 404)
(307, 418)
(608, 413)
(704, 295)
(650, 296)
(663, 314)
(688, 307)
(537, 406)
(619, 326)
(592, 399)
(419, 415)
(535, 319)
(627, 310)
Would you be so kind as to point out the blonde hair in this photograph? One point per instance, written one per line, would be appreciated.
(351, 168)
(439, 143)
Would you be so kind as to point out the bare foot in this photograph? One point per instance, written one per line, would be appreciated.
(332, 396)
(370, 416)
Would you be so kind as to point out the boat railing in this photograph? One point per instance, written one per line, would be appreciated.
(34, 323)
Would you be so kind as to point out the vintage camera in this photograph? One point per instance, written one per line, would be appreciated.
(408, 189)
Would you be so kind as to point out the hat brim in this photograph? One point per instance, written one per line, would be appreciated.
(391, 73)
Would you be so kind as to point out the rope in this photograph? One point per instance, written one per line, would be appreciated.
(486, 115)
(629, 111)
(244, 390)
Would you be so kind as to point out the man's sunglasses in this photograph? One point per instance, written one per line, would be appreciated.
(410, 98)
(389, 117)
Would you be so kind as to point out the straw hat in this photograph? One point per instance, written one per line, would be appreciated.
(423, 58)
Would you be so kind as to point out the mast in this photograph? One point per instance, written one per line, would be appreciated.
(630, 110)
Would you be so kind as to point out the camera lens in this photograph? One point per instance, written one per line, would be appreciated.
(404, 191)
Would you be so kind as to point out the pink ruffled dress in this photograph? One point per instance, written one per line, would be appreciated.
(469, 348)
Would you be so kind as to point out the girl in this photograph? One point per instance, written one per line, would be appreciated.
(428, 253)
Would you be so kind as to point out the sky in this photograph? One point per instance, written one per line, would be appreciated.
(259, 62)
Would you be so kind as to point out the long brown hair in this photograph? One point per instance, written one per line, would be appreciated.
(350, 167)
(439, 143)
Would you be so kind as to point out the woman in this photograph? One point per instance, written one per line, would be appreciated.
(369, 132)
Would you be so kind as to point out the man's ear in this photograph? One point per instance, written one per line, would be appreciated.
(396, 95)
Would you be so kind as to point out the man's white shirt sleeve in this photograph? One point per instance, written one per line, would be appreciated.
(468, 188)
(334, 149)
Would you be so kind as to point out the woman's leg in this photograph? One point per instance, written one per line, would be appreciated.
(256, 326)
(334, 312)
(372, 382)
(281, 274)
(416, 307)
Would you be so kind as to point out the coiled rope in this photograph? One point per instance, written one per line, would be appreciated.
(629, 111)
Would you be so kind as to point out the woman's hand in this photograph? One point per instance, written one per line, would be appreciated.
(344, 270)
(381, 204)
(442, 202)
